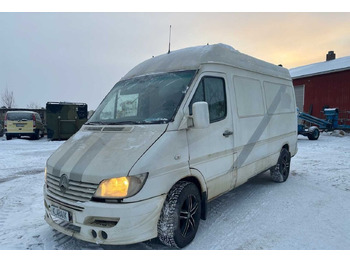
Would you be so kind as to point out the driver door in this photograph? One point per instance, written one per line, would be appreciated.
(211, 148)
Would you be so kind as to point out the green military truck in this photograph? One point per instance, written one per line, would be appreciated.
(64, 119)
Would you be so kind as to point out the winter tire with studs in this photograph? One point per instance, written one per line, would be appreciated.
(180, 216)
(280, 172)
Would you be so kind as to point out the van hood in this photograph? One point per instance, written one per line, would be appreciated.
(96, 153)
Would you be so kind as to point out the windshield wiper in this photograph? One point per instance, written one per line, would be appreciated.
(145, 122)
(155, 121)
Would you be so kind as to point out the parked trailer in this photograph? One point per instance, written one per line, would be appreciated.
(64, 119)
(330, 123)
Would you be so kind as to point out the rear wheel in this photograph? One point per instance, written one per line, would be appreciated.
(36, 135)
(280, 172)
(180, 216)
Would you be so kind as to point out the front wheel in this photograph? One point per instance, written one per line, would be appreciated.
(180, 216)
(280, 172)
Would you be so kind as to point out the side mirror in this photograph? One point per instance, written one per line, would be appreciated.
(200, 115)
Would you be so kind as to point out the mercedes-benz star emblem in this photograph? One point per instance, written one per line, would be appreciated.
(63, 183)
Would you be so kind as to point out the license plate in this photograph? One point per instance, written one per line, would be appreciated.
(20, 125)
(59, 213)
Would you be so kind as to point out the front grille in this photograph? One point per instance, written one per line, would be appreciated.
(76, 192)
(64, 204)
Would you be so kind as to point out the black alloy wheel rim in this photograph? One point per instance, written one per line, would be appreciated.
(285, 165)
(188, 215)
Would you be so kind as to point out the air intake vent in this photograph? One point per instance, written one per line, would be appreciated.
(108, 128)
(117, 129)
(93, 128)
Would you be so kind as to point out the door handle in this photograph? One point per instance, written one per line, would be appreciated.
(227, 133)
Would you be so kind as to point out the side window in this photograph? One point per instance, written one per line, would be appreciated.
(249, 97)
(108, 111)
(279, 98)
(212, 91)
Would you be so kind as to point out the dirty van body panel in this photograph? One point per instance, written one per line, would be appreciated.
(92, 156)
(167, 162)
(261, 126)
(264, 121)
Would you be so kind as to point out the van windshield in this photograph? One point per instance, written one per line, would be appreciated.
(150, 99)
(19, 116)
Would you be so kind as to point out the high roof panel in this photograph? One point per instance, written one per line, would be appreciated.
(193, 57)
(325, 67)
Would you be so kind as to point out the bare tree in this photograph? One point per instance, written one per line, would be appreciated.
(8, 99)
(33, 105)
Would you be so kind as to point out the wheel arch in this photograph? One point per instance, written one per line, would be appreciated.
(197, 179)
(286, 146)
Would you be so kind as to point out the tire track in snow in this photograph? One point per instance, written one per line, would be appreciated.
(237, 207)
(64, 242)
(61, 241)
(3, 212)
(8, 208)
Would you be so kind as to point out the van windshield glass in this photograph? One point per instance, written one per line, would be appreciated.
(150, 99)
(19, 116)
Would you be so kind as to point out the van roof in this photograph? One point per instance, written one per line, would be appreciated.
(15, 112)
(192, 58)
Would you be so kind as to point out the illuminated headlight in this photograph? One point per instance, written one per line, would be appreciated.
(121, 187)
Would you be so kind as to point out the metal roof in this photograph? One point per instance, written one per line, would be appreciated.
(336, 65)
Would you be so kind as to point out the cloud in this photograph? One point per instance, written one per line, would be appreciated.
(78, 57)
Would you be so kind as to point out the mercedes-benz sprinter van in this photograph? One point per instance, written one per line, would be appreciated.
(175, 132)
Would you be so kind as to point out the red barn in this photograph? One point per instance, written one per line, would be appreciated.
(324, 84)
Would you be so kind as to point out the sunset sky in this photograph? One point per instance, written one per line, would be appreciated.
(78, 57)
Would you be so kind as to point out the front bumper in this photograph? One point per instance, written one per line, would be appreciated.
(108, 223)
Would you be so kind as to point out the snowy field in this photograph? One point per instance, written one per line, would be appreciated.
(311, 211)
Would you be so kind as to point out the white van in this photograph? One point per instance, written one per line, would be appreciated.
(175, 132)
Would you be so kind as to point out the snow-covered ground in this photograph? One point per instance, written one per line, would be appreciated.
(311, 211)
